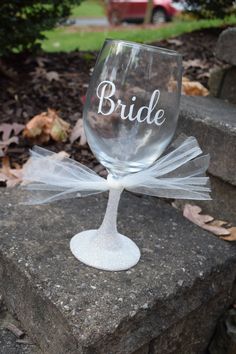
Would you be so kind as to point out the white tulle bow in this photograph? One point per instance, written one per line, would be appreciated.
(178, 174)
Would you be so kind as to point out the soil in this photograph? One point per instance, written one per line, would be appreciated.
(29, 91)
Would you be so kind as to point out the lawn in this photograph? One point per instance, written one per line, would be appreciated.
(88, 8)
(68, 39)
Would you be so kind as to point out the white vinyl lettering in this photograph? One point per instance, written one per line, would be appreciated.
(103, 85)
(107, 89)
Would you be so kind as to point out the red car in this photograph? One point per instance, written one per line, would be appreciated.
(134, 10)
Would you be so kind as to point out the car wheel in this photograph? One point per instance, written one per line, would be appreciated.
(159, 16)
(114, 18)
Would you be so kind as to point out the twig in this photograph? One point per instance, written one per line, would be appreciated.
(24, 341)
(15, 330)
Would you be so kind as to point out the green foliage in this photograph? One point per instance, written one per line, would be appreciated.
(210, 8)
(65, 40)
(89, 8)
(22, 22)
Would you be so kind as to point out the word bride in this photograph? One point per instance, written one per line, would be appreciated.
(107, 89)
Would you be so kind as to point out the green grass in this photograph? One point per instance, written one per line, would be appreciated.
(67, 39)
(88, 8)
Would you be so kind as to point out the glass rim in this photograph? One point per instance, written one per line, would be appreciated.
(150, 47)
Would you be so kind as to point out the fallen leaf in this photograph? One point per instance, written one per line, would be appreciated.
(203, 75)
(6, 130)
(41, 61)
(10, 176)
(193, 88)
(195, 63)
(192, 213)
(59, 128)
(47, 125)
(78, 132)
(9, 141)
(218, 223)
(232, 236)
(176, 42)
(41, 72)
(52, 75)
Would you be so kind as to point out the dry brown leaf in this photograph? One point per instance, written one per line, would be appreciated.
(9, 141)
(52, 75)
(232, 236)
(11, 176)
(195, 63)
(192, 213)
(6, 130)
(41, 72)
(193, 88)
(176, 42)
(47, 125)
(41, 61)
(218, 223)
(78, 132)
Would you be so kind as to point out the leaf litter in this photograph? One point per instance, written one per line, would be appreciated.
(207, 222)
(7, 130)
(45, 126)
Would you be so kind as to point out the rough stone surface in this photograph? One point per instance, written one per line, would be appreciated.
(224, 339)
(70, 308)
(215, 80)
(8, 345)
(213, 123)
(192, 336)
(225, 49)
(8, 341)
(143, 350)
(228, 87)
(222, 84)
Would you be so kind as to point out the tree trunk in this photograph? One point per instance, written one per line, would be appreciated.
(148, 14)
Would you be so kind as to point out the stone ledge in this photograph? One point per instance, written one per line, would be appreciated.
(225, 48)
(213, 123)
(70, 308)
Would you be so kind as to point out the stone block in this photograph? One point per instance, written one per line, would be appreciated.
(191, 336)
(143, 350)
(228, 87)
(222, 84)
(216, 80)
(213, 122)
(224, 339)
(226, 44)
(68, 307)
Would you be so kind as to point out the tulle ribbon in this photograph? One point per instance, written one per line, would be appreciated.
(178, 174)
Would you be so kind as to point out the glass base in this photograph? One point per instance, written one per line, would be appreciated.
(90, 248)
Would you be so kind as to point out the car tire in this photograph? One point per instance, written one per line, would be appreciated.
(159, 16)
(114, 18)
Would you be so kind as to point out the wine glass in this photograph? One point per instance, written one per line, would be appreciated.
(130, 117)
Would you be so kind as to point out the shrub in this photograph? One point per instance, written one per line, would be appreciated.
(22, 22)
(210, 8)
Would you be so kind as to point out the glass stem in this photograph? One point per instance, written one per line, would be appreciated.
(107, 233)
